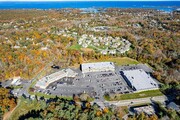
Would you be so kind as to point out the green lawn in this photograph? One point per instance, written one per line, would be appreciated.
(39, 94)
(143, 94)
(17, 87)
(75, 47)
(118, 60)
(123, 61)
(92, 47)
(26, 105)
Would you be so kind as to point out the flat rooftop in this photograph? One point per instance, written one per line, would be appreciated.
(45, 81)
(97, 67)
(149, 110)
(139, 80)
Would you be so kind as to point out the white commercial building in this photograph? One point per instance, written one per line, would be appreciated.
(16, 81)
(97, 67)
(47, 80)
(139, 80)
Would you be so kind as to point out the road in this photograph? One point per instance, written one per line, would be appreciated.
(8, 114)
(139, 101)
(130, 102)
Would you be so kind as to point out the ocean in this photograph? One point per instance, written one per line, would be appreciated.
(166, 6)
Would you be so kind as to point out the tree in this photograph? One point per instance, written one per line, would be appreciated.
(76, 98)
(98, 113)
(84, 97)
(106, 110)
(83, 116)
(153, 117)
(173, 115)
(8, 102)
(67, 114)
(49, 115)
(141, 116)
(60, 113)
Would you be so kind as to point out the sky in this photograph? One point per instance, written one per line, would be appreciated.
(89, 0)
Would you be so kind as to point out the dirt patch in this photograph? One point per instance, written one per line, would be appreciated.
(141, 94)
(87, 49)
(75, 66)
(6, 115)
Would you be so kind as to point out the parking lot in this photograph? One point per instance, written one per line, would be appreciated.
(23, 87)
(96, 84)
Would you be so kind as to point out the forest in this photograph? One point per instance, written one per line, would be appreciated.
(39, 37)
(76, 109)
(31, 39)
(7, 101)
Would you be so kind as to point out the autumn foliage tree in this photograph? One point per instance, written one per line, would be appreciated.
(7, 101)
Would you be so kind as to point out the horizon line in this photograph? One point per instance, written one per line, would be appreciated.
(84, 0)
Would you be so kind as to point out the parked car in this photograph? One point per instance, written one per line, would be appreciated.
(55, 67)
